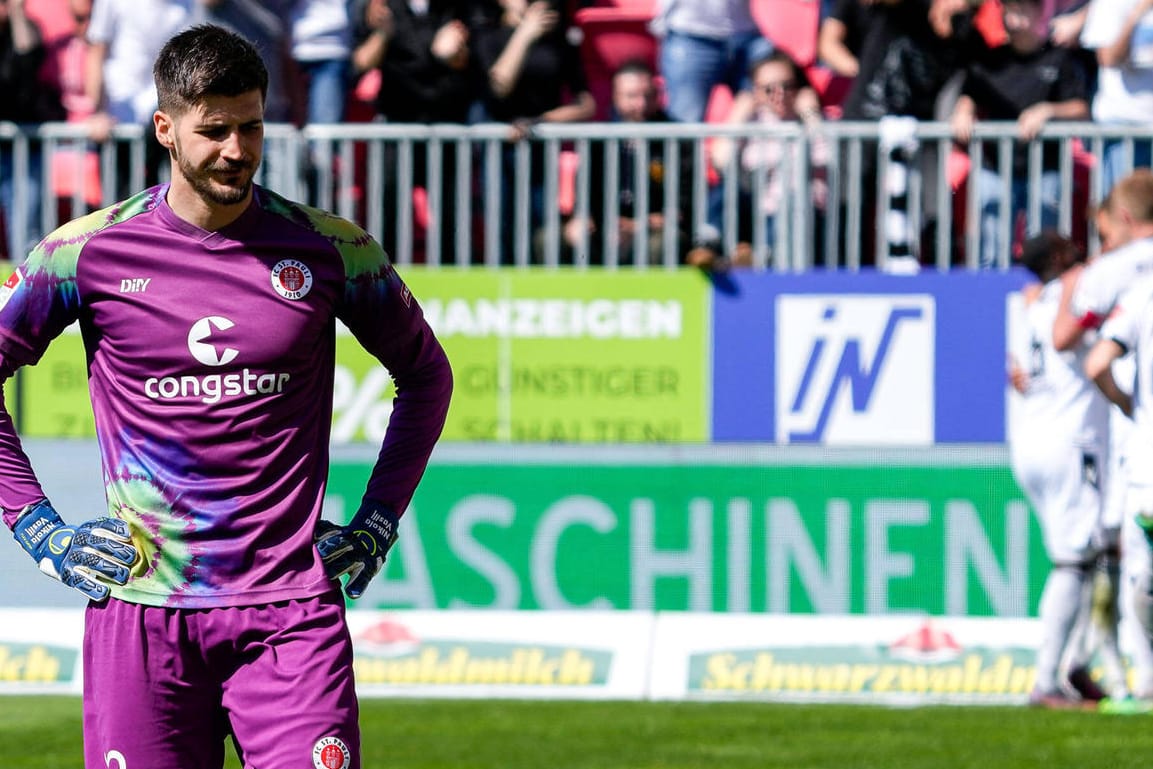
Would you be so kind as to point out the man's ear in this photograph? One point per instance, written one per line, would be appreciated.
(165, 129)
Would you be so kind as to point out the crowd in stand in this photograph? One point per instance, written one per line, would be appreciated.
(521, 62)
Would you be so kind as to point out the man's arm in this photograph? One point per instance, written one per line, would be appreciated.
(832, 48)
(19, 487)
(1116, 54)
(88, 557)
(1067, 327)
(387, 321)
(1099, 368)
(1032, 119)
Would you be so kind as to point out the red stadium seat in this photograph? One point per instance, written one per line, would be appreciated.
(612, 37)
(54, 17)
(791, 25)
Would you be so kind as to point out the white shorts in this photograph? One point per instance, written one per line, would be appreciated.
(1064, 483)
(1113, 509)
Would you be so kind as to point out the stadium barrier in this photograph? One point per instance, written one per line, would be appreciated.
(778, 530)
(817, 575)
(463, 170)
(662, 357)
(634, 655)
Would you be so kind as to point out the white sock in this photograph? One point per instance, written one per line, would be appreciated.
(1062, 605)
(1105, 589)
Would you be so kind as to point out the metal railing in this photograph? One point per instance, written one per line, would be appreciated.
(399, 181)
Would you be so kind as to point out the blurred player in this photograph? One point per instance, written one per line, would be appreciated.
(1059, 454)
(1130, 330)
(208, 309)
(1126, 223)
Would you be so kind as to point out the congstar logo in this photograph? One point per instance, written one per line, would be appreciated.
(202, 347)
(211, 343)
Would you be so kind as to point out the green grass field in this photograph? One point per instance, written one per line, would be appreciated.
(44, 733)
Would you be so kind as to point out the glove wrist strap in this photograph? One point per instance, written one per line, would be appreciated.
(377, 523)
(35, 525)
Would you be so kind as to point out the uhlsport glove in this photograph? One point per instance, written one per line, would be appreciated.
(85, 557)
(358, 549)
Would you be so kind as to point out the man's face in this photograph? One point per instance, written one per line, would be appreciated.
(216, 146)
(775, 89)
(1025, 23)
(81, 13)
(634, 96)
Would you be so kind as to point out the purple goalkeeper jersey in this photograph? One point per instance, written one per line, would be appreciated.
(210, 361)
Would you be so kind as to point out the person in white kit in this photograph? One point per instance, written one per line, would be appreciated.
(1130, 330)
(1126, 223)
(1059, 454)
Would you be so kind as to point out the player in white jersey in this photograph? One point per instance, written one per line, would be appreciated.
(1125, 220)
(1130, 330)
(1059, 450)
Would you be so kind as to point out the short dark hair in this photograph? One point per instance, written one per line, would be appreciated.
(1037, 252)
(635, 67)
(206, 60)
(780, 56)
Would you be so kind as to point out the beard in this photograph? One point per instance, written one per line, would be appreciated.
(209, 189)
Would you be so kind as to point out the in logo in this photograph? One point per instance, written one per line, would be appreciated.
(202, 347)
(114, 759)
(855, 370)
(331, 753)
(291, 279)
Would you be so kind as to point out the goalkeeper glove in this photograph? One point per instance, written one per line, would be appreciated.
(84, 557)
(359, 548)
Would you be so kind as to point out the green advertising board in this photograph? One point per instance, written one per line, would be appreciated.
(538, 356)
(562, 356)
(832, 533)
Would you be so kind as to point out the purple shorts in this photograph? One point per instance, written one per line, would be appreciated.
(165, 687)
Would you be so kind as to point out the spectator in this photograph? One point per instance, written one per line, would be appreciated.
(261, 22)
(703, 45)
(73, 164)
(321, 43)
(1121, 32)
(22, 54)
(900, 55)
(66, 66)
(772, 100)
(422, 53)
(534, 75)
(1030, 81)
(124, 38)
(635, 100)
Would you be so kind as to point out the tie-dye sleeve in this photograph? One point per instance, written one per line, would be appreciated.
(382, 314)
(37, 302)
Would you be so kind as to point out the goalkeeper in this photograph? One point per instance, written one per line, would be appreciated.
(208, 308)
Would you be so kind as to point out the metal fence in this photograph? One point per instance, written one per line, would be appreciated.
(464, 195)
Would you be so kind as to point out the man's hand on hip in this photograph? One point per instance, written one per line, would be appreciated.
(87, 557)
(358, 549)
